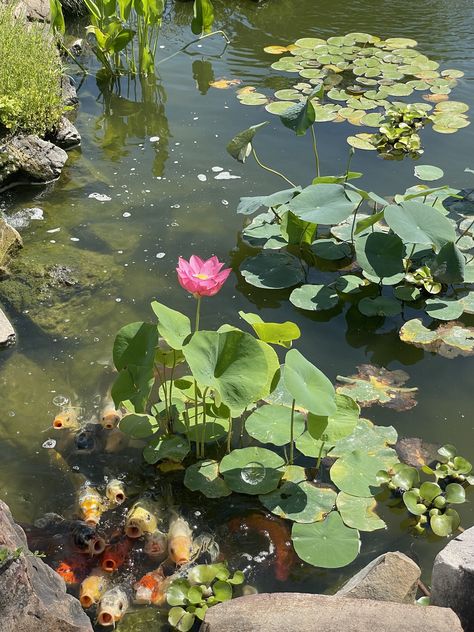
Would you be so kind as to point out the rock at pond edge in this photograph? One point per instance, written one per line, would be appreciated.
(7, 333)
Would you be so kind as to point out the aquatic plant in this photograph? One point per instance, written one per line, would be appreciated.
(430, 502)
(206, 586)
(239, 422)
(30, 99)
(360, 75)
(414, 251)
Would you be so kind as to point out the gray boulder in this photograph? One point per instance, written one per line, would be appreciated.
(7, 333)
(296, 612)
(66, 135)
(10, 242)
(390, 577)
(69, 91)
(453, 578)
(35, 10)
(30, 159)
(33, 597)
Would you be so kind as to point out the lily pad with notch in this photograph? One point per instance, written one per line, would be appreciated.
(272, 270)
(314, 297)
(301, 502)
(252, 470)
(359, 513)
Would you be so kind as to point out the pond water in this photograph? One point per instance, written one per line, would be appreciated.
(154, 153)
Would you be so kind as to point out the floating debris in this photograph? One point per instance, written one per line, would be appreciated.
(448, 340)
(225, 175)
(202, 177)
(101, 197)
(49, 444)
(154, 139)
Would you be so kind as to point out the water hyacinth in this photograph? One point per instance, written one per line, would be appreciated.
(202, 278)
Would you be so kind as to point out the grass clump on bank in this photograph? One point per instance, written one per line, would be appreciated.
(30, 76)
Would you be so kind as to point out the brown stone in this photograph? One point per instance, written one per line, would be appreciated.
(297, 612)
(10, 242)
(390, 577)
(33, 597)
(7, 333)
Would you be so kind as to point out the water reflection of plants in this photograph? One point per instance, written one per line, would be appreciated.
(361, 75)
(414, 252)
(219, 403)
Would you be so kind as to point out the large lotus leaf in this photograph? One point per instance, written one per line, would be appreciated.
(134, 384)
(301, 502)
(314, 298)
(138, 426)
(418, 223)
(376, 385)
(249, 205)
(210, 431)
(359, 513)
(274, 333)
(308, 385)
(173, 326)
(299, 117)
(379, 306)
(279, 395)
(272, 270)
(370, 438)
(309, 446)
(252, 470)
(241, 145)
(264, 232)
(203, 476)
(331, 249)
(356, 473)
(172, 447)
(449, 264)
(444, 309)
(350, 284)
(135, 344)
(339, 425)
(446, 523)
(380, 255)
(233, 363)
(324, 203)
(449, 340)
(271, 424)
(326, 544)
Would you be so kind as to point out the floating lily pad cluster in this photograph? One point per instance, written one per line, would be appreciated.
(430, 502)
(364, 78)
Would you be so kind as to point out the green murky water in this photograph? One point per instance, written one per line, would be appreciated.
(159, 208)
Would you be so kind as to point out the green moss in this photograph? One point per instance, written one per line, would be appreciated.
(30, 74)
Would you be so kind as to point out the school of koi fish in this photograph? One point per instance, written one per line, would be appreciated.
(116, 551)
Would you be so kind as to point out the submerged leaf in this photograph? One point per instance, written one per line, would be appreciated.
(376, 385)
(449, 340)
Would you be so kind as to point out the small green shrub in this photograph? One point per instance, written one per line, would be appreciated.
(30, 76)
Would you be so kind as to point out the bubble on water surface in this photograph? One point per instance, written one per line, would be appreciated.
(49, 444)
(217, 169)
(126, 214)
(202, 177)
(60, 400)
(253, 473)
(154, 139)
(160, 255)
(100, 196)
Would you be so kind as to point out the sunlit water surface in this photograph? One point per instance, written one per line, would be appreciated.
(162, 206)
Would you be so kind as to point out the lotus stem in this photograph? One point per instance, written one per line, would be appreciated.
(465, 232)
(349, 160)
(270, 170)
(203, 434)
(320, 455)
(408, 259)
(229, 434)
(354, 221)
(292, 432)
(315, 151)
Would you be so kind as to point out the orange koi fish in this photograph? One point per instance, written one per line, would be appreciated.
(67, 418)
(277, 531)
(73, 570)
(151, 588)
(115, 555)
(91, 504)
(109, 415)
(180, 540)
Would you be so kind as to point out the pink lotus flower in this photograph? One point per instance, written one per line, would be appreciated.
(202, 278)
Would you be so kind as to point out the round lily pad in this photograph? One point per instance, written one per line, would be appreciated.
(350, 284)
(172, 447)
(444, 309)
(253, 98)
(203, 477)
(428, 172)
(314, 297)
(452, 106)
(278, 107)
(338, 425)
(356, 473)
(271, 424)
(272, 270)
(373, 119)
(359, 513)
(252, 470)
(301, 502)
(326, 544)
(362, 141)
(379, 306)
(331, 249)
(309, 42)
(288, 95)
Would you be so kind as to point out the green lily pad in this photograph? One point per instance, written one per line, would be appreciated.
(338, 425)
(278, 107)
(252, 470)
(356, 473)
(448, 340)
(444, 309)
(272, 270)
(371, 439)
(326, 544)
(359, 513)
(452, 106)
(172, 447)
(362, 141)
(309, 42)
(311, 389)
(271, 424)
(380, 255)
(379, 306)
(377, 385)
(350, 284)
(203, 477)
(331, 249)
(400, 42)
(288, 95)
(428, 172)
(253, 98)
(314, 297)
(325, 113)
(324, 204)
(309, 446)
(300, 502)
(407, 293)
(372, 120)
(418, 223)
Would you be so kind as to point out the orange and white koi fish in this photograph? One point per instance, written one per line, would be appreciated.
(180, 540)
(143, 517)
(151, 588)
(279, 534)
(115, 492)
(67, 418)
(156, 544)
(115, 555)
(92, 588)
(113, 605)
(73, 569)
(91, 504)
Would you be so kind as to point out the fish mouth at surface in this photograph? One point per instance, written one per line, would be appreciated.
(86, 601)
(105, 618)
(133, 531)
(97, 546)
